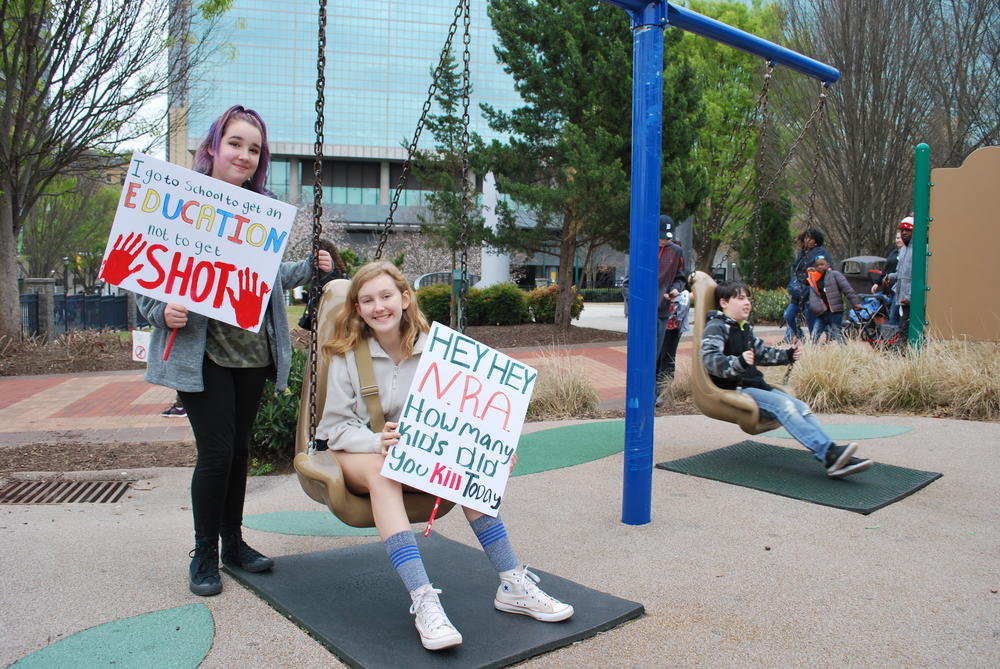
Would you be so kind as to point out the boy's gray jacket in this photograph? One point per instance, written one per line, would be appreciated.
(183, 370)
(835, 285)
(729, 364)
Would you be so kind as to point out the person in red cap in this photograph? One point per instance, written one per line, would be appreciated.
(902, 276)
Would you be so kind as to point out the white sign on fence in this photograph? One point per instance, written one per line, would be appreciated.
(140, 345)
(181, 236)
(461, 421)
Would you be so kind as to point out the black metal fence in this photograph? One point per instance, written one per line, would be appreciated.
(29, 314)
(90, 312)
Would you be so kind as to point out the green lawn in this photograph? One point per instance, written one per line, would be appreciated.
(294, 312)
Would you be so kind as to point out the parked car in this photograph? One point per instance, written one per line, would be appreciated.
(862, 271)
(439, 277)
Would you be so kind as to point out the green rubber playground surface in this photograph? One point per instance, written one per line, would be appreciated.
(177, 638)
(568, 446)
(305, 523)
(850, 432)
(797, 474)
(537, 452)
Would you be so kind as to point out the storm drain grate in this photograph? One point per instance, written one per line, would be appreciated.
(63, 492)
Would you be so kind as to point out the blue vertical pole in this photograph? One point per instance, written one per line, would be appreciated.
(648, 24)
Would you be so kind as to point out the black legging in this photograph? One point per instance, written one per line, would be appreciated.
(222, 418)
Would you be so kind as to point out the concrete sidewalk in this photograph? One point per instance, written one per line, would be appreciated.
(729, 576)
(907, 586)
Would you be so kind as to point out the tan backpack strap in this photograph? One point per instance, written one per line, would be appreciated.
(369, 388)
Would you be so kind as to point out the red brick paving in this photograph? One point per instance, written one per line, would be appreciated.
(13, 391)
(111, 399)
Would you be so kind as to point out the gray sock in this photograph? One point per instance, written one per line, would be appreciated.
(493, 536)
(405, 558)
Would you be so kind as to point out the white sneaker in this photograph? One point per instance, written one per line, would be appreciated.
(519, 594)
(436, 631)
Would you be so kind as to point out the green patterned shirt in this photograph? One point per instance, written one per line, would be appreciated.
(231, 346)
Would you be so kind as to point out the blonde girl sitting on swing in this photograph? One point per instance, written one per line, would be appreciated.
(380, 311)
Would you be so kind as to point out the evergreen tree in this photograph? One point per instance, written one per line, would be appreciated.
(453, 221)
(766, 248)
(568, 155)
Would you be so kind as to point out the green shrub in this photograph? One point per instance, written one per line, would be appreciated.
(602, 294)
(501, 304)
(475, 308)
(769, 305)
(435, 301)
(273, 437)
(542, 304)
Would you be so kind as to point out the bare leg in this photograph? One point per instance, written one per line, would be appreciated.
(362, 475)
(471, 514)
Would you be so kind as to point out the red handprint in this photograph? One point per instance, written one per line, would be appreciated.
(247, 305)
(116, 267)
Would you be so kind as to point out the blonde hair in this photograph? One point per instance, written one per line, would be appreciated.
(348, 326)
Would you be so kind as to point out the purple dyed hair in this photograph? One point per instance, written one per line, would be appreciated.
(203, 159)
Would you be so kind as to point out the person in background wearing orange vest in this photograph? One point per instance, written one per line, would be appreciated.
(828, 288)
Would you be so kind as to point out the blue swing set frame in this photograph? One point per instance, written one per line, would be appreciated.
(649, 19)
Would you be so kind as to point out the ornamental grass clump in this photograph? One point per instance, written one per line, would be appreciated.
(562, 389)
(942, 378)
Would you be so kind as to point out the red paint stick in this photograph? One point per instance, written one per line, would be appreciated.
(430, 521)
(170, 343)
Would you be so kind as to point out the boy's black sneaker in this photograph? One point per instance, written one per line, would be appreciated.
(838, 456)
(853, 466)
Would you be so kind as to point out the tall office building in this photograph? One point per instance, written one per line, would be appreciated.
(379, 58)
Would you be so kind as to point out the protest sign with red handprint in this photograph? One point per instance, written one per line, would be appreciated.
(118, 265)
(248, 305)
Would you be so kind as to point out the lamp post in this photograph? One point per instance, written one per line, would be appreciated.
(66, 276)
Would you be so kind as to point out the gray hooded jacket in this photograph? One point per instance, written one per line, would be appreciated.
(183, 370)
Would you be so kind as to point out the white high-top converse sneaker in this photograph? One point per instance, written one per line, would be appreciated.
(519, 594)
(436, 631)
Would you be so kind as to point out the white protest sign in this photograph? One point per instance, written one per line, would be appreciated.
(181, 236)
(461, 422)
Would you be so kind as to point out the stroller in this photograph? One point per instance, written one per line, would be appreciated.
(870, 323)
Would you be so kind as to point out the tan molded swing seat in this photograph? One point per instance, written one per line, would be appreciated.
(731, 406)
(319, 475)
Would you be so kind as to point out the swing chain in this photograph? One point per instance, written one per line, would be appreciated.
(467, 188)
(759, 169)
(753, 117)
(756, 117)
(816, 112)
(412, 149)
(317, 225)
(811, 211)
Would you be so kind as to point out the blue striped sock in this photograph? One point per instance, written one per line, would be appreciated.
(405, 558)
(493, 537)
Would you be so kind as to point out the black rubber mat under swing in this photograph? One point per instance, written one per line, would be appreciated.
(352, 602)
(797, 474)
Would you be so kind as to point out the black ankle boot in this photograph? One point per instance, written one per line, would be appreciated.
(236, 553)
(204, 569)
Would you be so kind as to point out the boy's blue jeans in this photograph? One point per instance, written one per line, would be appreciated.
(831, 323)
(795, 416)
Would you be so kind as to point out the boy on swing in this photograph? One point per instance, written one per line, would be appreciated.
(731, 353)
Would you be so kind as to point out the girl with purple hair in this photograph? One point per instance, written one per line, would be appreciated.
(219, 369)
